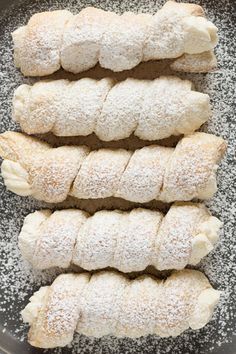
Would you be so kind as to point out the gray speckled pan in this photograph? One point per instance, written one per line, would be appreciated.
(18, 281)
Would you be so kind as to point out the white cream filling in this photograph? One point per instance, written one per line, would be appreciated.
(15, 178)
(201, 35)
(30, 312)
(203, 242)
(204, 308)
(30, 233)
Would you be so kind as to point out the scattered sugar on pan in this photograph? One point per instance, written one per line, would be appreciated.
(18, 281)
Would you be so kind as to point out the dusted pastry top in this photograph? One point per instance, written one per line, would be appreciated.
(151, 109)
(108, 303)
(32, 167)
(153, 172)
(127, 241)
(77, 43)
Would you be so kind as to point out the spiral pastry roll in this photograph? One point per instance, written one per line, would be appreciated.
(77, 43)
(150, 109)
(188, 171)
(109, 303)
(128, 241)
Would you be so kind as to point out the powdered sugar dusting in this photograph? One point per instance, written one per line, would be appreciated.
(19, 281)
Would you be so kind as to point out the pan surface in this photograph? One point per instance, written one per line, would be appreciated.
(18, 281)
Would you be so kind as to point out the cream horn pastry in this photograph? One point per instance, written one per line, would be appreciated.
(127, 241)
(77, 43)
(109, 303)
(151, 109)
(32, 167)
